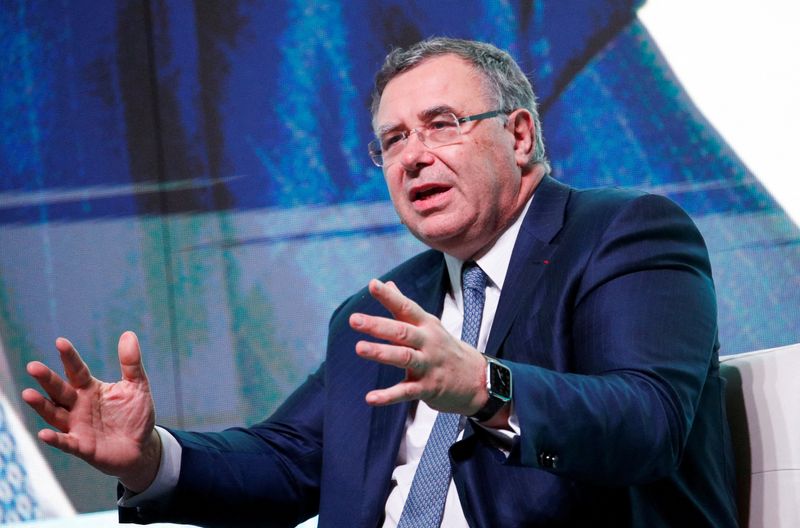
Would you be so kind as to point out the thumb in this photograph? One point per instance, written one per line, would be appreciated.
(130, 358)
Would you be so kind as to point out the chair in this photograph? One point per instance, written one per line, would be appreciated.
(763, 404)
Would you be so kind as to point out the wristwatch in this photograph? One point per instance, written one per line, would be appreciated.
(498, 383)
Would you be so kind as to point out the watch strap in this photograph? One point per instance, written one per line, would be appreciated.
(496, 401)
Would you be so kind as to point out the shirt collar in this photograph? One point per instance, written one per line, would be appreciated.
(494, 263)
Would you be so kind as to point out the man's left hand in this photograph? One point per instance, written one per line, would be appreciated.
(444, 372)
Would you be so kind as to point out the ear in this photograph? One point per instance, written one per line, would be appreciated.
(521, 124)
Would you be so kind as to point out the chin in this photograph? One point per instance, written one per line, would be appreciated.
(447, 242)
(440, 230)
(435, 234)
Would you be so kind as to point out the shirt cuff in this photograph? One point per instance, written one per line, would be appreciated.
(504, 438)
(169, 469)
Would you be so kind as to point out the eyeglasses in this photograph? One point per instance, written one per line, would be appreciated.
(444, 129)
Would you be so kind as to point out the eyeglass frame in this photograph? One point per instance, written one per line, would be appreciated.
(376, 152)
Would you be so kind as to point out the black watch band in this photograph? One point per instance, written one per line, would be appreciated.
(498, 384)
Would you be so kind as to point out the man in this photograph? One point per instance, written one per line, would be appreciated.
(604, 404)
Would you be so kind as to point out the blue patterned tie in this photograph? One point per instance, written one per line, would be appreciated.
(425, 503)
(16, 501)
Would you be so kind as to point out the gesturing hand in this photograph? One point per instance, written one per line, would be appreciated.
(109, 425)
(446, 373)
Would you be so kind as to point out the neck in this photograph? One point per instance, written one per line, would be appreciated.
(479, 248)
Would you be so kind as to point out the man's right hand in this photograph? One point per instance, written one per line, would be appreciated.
(109, 425)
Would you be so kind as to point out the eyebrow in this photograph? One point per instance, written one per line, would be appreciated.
(424, 116)
(436, 111)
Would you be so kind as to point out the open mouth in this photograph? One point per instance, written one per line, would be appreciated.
(427, 192)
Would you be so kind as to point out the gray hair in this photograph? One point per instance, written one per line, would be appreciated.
(504, 82)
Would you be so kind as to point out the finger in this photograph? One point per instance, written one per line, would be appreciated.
(63, 441)
(396, 332)
(130, 358)
(58, 417)
(60, 392)
(74, 367)
(401, 307)
(403, 391)
(396, 356)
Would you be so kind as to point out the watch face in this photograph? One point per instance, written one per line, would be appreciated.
(500, 381)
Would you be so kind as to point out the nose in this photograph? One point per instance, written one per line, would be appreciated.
(415, 154)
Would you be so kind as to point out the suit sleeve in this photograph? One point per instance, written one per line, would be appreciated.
(264, 475)
(639, 338)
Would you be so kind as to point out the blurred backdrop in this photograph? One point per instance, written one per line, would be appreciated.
(197, 172)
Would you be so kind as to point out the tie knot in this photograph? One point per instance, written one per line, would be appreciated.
(473, 277)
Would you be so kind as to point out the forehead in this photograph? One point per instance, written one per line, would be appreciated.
(447, 80)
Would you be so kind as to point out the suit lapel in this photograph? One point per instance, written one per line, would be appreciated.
(426, 286)
(532, 252)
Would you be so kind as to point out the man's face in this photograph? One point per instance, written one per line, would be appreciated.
(456, 198)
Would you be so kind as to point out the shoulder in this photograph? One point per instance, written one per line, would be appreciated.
(601, 208)
(411, 268)
(611, 219)
(558, 209)
(425, 266)
(609, 201)
(631, 230)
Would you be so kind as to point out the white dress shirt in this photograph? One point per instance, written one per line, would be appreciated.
(421, 417)
(420, 420)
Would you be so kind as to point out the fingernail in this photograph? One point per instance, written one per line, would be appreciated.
(357, 320)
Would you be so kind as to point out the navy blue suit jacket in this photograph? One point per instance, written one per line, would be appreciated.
(608, 322)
